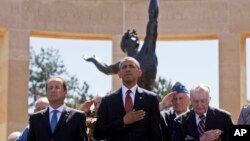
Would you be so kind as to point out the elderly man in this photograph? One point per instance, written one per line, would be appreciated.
(40, 104)
(244, 117)
(202, 123)
(179, 99)
(14, 136)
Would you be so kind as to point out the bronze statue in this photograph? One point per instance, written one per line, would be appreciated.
(146, 56)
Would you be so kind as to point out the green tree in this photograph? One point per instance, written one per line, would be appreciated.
(162, 87)
(48, 63)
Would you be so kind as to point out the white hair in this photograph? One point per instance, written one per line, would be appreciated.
(42, 100)
(200, 88)
(14, 136)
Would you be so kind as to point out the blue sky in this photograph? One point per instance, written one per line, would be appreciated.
(189, 62)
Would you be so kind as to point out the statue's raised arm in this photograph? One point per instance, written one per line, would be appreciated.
(130, 44)
(147, 56)
(101, 66)
(152, 25)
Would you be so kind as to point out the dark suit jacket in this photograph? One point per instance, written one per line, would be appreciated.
(167, 119)
(185, 128)
(110, 118)
(70, 127)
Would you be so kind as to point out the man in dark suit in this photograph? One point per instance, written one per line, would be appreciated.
(179, 99)
(130, 113)
(202, 123)
(40, 104)
(58, 122)
(244, 117)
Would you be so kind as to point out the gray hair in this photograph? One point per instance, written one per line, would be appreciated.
(129, 59)
(14, 136)
(200, 88)
(42, 100)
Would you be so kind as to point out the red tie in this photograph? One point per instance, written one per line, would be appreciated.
(201, 125)
(128, 102)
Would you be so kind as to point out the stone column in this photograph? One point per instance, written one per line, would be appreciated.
(232, 73)
(117, 54)
(14, 75)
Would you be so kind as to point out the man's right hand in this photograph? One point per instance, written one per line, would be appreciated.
(211, 135)
(167, 100)
(86, 105)
(133, 116)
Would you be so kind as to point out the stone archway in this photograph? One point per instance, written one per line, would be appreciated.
(83, 19)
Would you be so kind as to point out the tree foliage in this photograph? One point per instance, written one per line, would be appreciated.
(162, 87)
(48, 63)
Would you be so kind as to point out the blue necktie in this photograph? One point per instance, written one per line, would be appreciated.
(53, 121)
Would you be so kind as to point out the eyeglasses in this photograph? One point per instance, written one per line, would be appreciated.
(202, 101)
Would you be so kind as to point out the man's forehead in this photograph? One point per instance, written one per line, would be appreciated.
(128, 63)
(200, 96)
(56, 80)
(180, 95)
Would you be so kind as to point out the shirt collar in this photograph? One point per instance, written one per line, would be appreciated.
(60, 109)
(125, 89)
(197, 117)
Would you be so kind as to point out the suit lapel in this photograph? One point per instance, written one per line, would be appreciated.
(191, 125)
(46, 120)
(139, 99)
(209, 119)
(64, 116)
(119, 104)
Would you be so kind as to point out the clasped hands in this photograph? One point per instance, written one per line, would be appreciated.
(211, 135)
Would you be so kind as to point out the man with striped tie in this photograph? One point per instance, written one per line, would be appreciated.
(202, 123)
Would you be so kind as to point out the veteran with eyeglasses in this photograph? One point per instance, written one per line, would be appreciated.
(202, 122)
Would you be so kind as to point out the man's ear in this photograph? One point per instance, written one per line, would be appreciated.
(139, 73)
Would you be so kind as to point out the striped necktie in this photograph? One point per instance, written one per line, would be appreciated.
(201, 125)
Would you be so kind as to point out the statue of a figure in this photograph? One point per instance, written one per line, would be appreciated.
(146, 56)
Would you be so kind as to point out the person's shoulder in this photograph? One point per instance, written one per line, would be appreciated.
(112, 94)
(69, 109)
(73, 111)
(168, 113)
(246, 107)
(220, 111)
(39, 113)
(184, 116)
(147, 92)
